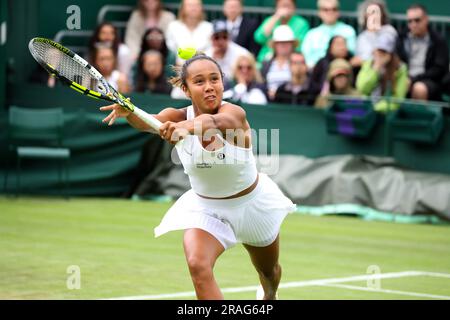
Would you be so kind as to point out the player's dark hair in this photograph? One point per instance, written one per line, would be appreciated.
(179, 80)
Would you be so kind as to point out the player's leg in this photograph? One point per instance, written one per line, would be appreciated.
(265, 260)
(202, 250)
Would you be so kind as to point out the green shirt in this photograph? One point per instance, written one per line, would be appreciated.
(368, 83)
(299, 26)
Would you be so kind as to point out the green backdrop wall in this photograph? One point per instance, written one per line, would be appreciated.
(104, 157)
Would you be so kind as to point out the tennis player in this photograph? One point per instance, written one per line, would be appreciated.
(230, 202)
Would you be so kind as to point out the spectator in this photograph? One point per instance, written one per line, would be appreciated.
(374, 18)
(284, 15)
(190, 29)
(107, 34)
(337, 48)
(240, 28)
(277, 71)
(154, 39)
(223, 50)
(339, 82)
(426, 54)
(296, 91)
(316, 41)
(105, 61)
(148, 14)
(385, 75)
(248, 86)
(151, 76)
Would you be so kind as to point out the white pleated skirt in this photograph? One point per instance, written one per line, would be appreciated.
(253, 219)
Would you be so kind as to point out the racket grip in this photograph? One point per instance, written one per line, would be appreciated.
(147, 118)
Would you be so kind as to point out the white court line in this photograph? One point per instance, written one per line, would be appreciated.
(307, 283)
(404, 293)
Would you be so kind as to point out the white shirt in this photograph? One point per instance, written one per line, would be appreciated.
(233, 27)
(113, 79)
(124, 59)
(277, 75)
(178, 35)
(227, 63)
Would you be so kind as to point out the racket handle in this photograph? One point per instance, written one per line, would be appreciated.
(147, 118)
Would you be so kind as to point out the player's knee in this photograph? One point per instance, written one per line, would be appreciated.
(270, 272)
(419, 91)
(199, 268)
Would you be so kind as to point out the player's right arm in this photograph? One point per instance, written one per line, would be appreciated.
(168, 114)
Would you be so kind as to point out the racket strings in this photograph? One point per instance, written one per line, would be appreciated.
(65, 65)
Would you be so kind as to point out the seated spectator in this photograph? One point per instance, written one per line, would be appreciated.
(107, 34)
(385, 75)
(148, 14)
(105, 61)
(284, 15)
(375, 17)
(339, 82)
(240, 28)
(316, 41)
(296, 91)
(223, 50)
(336, 49)
(154, 39)
(151, 76)
(277, 71)
(190, 29)
(426, 54)
(248, 85)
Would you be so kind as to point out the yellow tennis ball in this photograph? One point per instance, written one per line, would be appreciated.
(186, 53)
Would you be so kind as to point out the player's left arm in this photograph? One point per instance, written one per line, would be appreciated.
(228, 117)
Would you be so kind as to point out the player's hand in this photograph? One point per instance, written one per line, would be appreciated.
(172, 132)
(117, 111)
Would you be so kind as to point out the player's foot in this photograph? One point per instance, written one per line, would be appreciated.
(260, 293)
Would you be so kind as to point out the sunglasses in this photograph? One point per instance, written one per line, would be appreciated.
(158, 37)
(245, 67)
(335, 9)
(415, 20)
(220, 37)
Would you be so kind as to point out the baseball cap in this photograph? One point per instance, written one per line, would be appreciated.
(339, 66)
(219, 26)
(386, 39)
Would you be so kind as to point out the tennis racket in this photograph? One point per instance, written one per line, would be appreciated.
(78, 74)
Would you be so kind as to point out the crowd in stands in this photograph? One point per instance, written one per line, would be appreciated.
(282, 59)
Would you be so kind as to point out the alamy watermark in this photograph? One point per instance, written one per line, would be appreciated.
(73, 281)
(73, 22)
(374, 282)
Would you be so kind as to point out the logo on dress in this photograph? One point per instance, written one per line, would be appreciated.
(221, 156)
(204, 165)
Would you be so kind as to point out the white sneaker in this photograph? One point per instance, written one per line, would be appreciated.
(260, 293)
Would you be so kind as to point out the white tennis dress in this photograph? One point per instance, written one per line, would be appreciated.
(253, 219)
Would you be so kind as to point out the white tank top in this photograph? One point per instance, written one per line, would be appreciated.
(220, 173)
(113, 79)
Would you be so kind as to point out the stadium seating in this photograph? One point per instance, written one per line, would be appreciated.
(37, 134)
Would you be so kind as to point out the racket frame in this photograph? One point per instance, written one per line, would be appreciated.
(112, 94)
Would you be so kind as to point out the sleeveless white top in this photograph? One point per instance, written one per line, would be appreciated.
(113, 79)
(220, 173)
